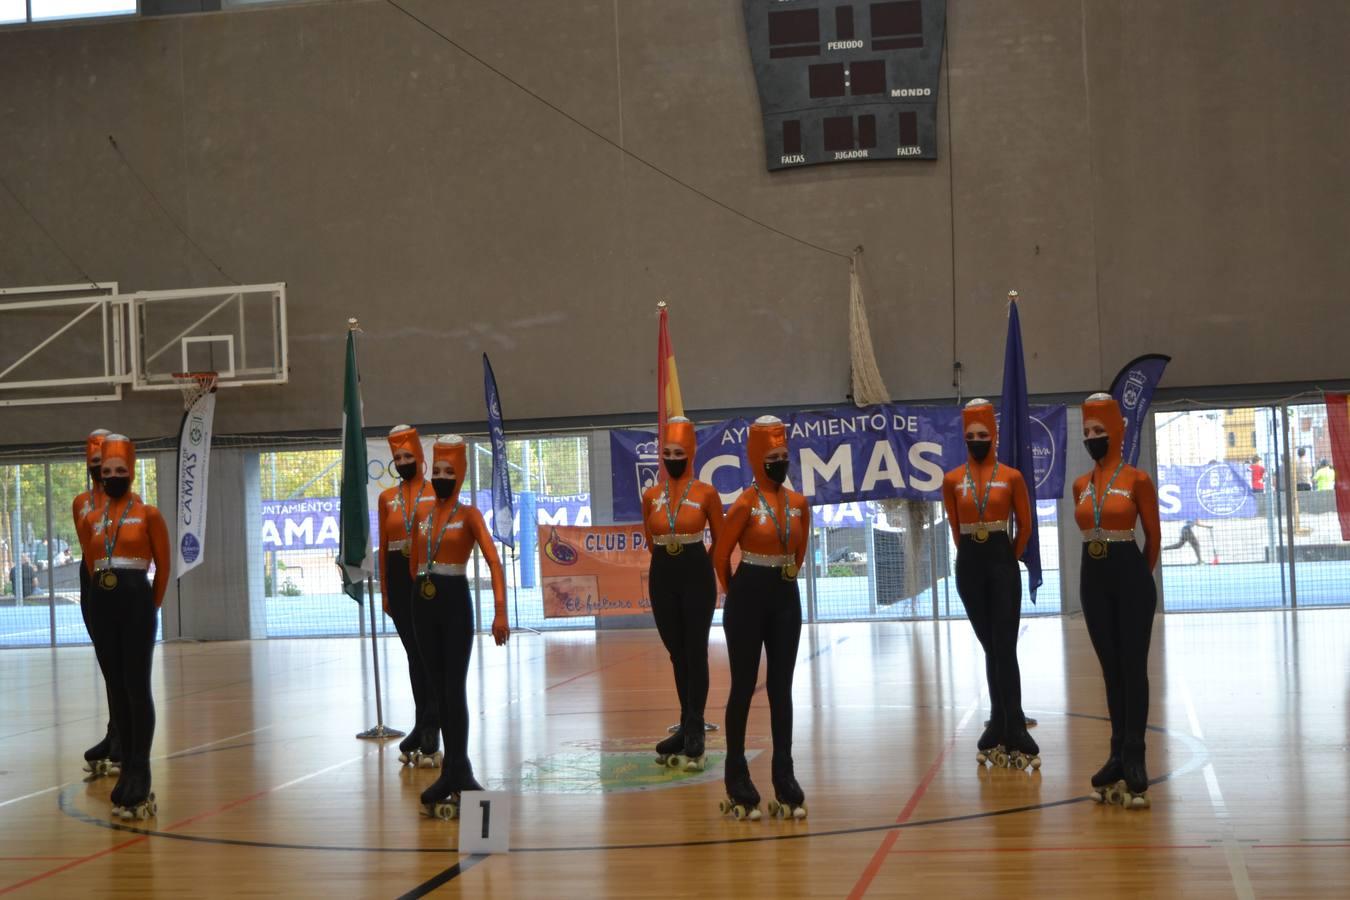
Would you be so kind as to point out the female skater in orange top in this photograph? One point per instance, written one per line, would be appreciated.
(771, 524)
(398, 508)
(1119, 597)
(682, 584)
(444, 536)
(980, 497)
(105, 757)
(124, 538)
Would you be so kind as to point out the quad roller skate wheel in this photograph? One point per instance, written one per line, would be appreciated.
(1137, 801)
(739, 811)
(785, 811)
(145, 810)
(1036, 762)
(405, 758)
(1000, 757)
(695, 763)
(981, 756)
(429, 761)
(445, 810)
(1115, 794)
(664, 761)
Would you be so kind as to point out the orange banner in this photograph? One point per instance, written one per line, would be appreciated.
(599, 570)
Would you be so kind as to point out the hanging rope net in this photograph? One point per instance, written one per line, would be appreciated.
(911, 516)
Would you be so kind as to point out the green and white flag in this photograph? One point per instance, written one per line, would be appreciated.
(354, 558)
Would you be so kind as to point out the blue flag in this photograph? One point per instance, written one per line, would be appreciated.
(503, 509)
(1133, 390)
(1014, 437)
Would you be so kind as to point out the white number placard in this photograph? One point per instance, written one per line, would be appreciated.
(484, 822)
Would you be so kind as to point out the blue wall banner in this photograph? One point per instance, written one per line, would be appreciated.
(839, 455)
(1218, 490)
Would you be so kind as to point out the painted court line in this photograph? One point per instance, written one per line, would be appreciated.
(874, 866)
(58, 787)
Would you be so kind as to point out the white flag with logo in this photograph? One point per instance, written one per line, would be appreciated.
(194, 456)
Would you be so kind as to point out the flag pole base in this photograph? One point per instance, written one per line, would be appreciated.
(381, 733)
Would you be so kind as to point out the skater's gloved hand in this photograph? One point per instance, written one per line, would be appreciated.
(501, 632)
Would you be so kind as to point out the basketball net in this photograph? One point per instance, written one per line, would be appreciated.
(194, 385)
(869, 389)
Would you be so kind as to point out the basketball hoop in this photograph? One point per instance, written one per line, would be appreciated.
(194, 385)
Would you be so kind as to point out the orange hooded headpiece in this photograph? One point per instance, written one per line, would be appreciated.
(119, 446)
(405, 437)
(680, 430)
(980, 412)
(1104, 409)
(93, 445)
(767, 433)
(452, 449)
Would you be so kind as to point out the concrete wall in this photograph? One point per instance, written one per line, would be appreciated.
(1152, 175)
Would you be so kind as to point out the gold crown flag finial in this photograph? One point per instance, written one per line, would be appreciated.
(1012, 295)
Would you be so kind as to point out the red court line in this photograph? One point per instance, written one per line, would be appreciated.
(70, 865)
(176, 825)
(30, 858)
(869, 873)
(617, 662)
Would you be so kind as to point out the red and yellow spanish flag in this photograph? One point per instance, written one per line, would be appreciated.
(668, 400)
(1338, 423)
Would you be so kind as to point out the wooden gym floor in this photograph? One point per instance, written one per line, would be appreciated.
(263, 789)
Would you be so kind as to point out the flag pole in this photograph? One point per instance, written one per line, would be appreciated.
(352, 432)
(515, 595)
(379, 732)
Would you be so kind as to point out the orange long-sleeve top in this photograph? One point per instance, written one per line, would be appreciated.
(701, 508)
(143, 535)
(1008, 498)
(464, 527)
(394, 520)
(90, 501)
(749, 526)
(1131, 496)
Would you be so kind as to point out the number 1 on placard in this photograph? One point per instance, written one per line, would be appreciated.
(486, 807)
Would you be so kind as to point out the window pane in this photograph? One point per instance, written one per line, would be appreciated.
(71, 9)
(13, 11)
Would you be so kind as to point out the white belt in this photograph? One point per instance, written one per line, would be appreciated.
(972, 527)
(397, 545)
(122, 562)
(444, 569)
(663, 540)
(771, 560)
(1102, 534)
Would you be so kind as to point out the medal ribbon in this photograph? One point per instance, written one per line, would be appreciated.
(1092, 492)
(970, 488)
(431, 553)
(403, 507)
(784, 534)
(671, 516)
(111, 544)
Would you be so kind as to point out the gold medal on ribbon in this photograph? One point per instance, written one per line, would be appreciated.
(1097, 549)
(981, 535)
(406, 552)
(108, 580)
(790, 572)
(674, 548)
(428, 589)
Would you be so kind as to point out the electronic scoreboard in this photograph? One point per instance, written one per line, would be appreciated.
(842, 80)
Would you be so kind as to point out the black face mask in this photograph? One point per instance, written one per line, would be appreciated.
(116, 486)
(1098, 447)
(777, 470)
(675, 467)
(406, 471)
(979, 449)
(96, 474)
(444, 487)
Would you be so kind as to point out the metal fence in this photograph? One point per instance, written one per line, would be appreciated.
(1249, 522)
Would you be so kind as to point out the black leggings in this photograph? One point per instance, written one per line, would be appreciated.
(85, 611)
(1119, 600)
(444, 626)
(123, 624)
(399, 581)
(990, 585)
(684, 595)
(762, 610)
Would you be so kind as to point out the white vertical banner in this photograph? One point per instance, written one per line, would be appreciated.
(194, 457)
